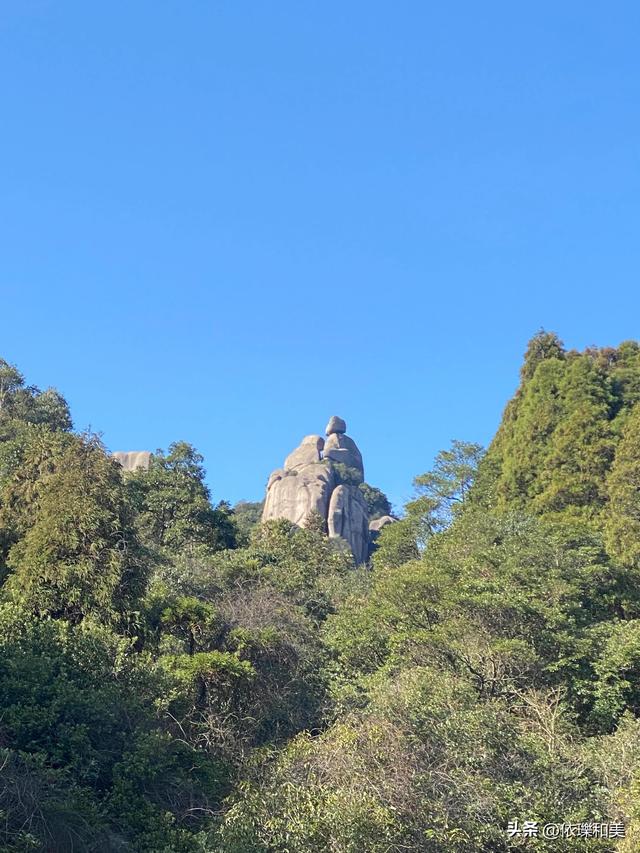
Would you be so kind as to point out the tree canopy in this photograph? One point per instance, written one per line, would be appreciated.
(177, 676)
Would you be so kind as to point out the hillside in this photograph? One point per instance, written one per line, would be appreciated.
(177, 676)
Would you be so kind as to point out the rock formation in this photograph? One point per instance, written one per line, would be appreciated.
(131, 460)
(348, 519)
(309, 452)
(336, 425)
(321, 477)
(376, 526)
(341, 448)
(297, 493)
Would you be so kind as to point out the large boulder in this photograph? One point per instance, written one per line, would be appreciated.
(375, 527)
(336, 426)
(348, 519)
(377, 524)
(314, 480)
(300, 493)
(131, 460)
(341, 448)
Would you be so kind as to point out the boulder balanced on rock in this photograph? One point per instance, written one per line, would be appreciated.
(321, 478)
(336, 426)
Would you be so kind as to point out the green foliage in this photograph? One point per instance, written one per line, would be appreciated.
(507, 601)
(346, 475)
(42, 808)
(424, 768)
(296, 562)
(177, 623)
(618, 671)
(615, 758)
(524, 438)
(257, 608)
(204, 670)
(166, 691)
(440, 495)
(581, 448)
(559, 435)
(74, 548)
(27, 404)
(542, 346)
(247, 515)
(289, 805)
(83, 718)
(400, 542)
(622, 518)
(173, 506)
(444, 489)
(376, 500)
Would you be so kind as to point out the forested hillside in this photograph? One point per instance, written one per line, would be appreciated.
(175, 676)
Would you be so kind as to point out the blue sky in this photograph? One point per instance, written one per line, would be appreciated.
(223, 221)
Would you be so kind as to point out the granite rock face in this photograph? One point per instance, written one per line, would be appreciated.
(307, 453)
(131, 460)
(299, 493)
(348, 519)
(312, 483)
(341, 448)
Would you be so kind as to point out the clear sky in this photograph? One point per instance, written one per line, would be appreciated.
(225, 221)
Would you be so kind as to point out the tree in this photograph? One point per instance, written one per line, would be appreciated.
(11, 381)
(581, 447)
(401, 542)
(89, 759)
(523, 440)
(543, 345)
(623, 366)
(622, 516)
(161, 691)
(75, 550)
(247, 515)
(447, 485)
(173, 503)
(20, 402)
(440, 495)
(300, 563)
(555, 446)
(411, 772)
(376, 500)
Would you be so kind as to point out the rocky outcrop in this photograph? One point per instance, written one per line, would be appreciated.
(375, 527)
(348, 519)
(308, 453)
(299, 493)
(322, 478)
(340, 448)
(131, 460)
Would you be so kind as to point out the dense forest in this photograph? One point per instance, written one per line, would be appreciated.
(175, 676)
